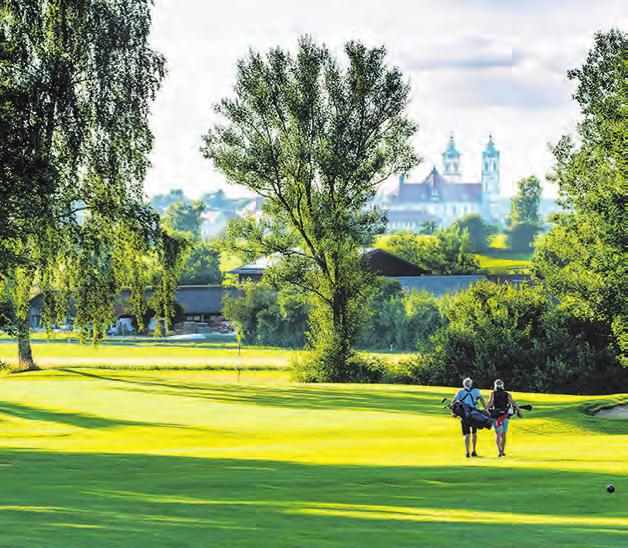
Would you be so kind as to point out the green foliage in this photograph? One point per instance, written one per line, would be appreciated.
(416, 369)
(522, 336)
(523, 223)
(316, 139)
(265, 317)
(521, 237)
(395, 320)
(399, 320)
(581, 261)
(7, 310)
(76, 84)
(186, 217)
(202, 265)
(319, 365)
(448, 251)
(479, 231)
(428, 227)
(171, 255)
(524, 207)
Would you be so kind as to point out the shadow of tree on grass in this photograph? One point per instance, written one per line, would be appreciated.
(63, 499)
(80, 420)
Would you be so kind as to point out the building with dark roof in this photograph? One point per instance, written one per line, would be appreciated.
(201, 304)
(378, 261)
(443, 198)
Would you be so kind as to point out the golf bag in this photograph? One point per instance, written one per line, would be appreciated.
(475, 417)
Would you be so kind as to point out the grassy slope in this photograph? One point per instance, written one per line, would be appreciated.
(178, 458)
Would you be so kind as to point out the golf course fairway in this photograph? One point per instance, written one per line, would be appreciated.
(209, 458)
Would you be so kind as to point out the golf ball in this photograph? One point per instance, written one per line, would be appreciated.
(610, 488)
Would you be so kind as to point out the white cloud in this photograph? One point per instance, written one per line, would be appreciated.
(476, 68)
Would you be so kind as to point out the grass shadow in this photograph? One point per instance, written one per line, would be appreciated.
(348, 397)
(78, 420)
(132, 500)
(300, 396)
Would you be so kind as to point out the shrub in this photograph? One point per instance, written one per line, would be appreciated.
(478, 229)
(522, 336)
(447, 251)
(520, 236)
(319, 366)
(202, 265)
(401, 321)
(266, 317)
(413, 370)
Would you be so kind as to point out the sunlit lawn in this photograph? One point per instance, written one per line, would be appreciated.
(150, 353)
(151, 458)
(498, 261)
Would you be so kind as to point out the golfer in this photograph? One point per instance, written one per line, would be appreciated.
(469, 396)
(500, 404)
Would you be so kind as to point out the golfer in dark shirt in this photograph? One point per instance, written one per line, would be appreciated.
(499, 404)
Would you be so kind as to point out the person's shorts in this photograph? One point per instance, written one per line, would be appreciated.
(467, 428)
(503, 427)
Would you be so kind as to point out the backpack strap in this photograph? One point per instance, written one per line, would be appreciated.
(469, 393)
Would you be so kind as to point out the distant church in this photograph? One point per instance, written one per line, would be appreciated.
(445, 198)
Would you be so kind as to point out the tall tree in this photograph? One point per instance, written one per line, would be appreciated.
(582, 259)
(524, 207)
(186, 217)
(201, 265)
(523, 221)
(479, 231)
(316, 139)
(76, 83)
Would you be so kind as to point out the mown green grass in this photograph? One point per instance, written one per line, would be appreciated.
(164, 458)
(148, 353)
(499, 261)
(155, 354)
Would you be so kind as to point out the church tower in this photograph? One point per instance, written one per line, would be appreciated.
(451, 161)
(490, 179)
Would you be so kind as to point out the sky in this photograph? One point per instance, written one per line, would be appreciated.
(476, 67)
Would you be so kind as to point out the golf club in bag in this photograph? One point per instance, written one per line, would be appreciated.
(475, 417)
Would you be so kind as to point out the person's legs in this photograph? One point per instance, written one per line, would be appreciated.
(466, 432)
(475, 442)
(503, 437)
(498, 440)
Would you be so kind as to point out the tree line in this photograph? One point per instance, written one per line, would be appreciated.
(315, 136)
(76, 83)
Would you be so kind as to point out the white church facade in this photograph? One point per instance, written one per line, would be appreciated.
(443, 198)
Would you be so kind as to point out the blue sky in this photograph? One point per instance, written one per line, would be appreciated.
(476, 67)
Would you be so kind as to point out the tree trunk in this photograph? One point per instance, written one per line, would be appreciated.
(25, 353)
(341, 329)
